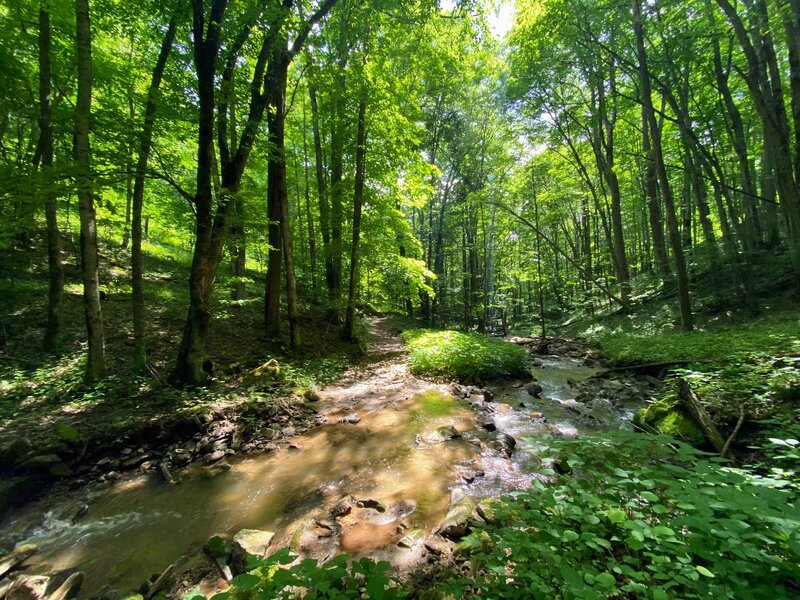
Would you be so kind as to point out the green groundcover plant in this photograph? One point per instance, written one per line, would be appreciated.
(639, 516)
(468, 357)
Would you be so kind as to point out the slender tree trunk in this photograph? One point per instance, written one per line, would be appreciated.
(189, 364)
(358, 198)
(55, 293)
(653, 205)
(145, 143)
(736, 130)
(540, 283)
(278, 201)
(763, 78)
(681, 272)
(95, 360)
(312, 238)
(337, 191)
(324, 205)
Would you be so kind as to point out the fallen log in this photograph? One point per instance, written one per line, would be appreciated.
(651, 366)
(689, 399)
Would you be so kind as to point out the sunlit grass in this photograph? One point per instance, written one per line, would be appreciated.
(461, 356)
(653, 342)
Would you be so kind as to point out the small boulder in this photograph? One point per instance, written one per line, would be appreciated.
(436, 545)
(248, 542)
(16, 557)
(215, 456)
(412, 538)
(343, 507)
(68, 589)
(442, 434)
(456, 523)
(371, 503)
(534, 389)
(42, 462)
(489, 426)
(503, 443)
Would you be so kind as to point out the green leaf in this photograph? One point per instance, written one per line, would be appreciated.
(569, 535)
(703, 571)
(616, 515)
(245, 581)
(606, 580)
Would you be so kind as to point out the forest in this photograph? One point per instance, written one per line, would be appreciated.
(399, 299)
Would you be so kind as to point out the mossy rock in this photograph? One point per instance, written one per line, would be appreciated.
(667, 417)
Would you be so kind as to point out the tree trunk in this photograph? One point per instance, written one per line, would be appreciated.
(55, 293)
(324, 205)
(189, 365)
(312, 238)
(137, 280)
(278, 201)
(95, 360)
(337, 191)
(653, 206)
(358, 198)
(681, 273)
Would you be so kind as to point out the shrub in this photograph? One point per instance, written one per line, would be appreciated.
(467, 357)
(272, 578)
(639, 516)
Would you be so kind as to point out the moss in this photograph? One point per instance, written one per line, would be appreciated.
(434, 404)
(667, 418)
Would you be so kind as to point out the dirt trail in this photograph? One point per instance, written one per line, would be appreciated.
(380, 380)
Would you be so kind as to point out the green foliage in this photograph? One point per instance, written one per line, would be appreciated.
(462, 356)
(334, 580)
(644, 338)
(639, 516)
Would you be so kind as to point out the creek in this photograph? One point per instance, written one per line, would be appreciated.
(394, 454)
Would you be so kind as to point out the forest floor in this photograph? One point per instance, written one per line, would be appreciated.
(54, 428)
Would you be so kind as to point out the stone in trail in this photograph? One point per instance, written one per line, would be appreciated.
(343, 507)
(412, 538)
(456, 523)
(18, 556)
(246, 542)
(371, 503)
(69, 588)
(503, 443)
(442, 434)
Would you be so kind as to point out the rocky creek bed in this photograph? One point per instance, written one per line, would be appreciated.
(384, 464)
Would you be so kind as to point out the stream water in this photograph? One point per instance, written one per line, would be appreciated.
(140, 524)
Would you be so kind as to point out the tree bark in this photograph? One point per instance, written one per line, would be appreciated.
(312, 238)
(55, 293)
(324, 205)
(358, 199)
(137, 201)
(681, 273)
(95, 360)
(278, 201)
(189, 364)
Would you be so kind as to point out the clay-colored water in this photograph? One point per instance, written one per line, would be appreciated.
(140, 525)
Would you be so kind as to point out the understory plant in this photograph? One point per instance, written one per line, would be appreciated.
(466, 357)
(638, 516)
(280, 577)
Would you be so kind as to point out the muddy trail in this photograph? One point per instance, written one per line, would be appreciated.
(375, 478)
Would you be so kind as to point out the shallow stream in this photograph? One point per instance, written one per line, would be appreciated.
(137, 526)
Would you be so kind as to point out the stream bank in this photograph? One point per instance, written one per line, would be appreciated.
(374, 478)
